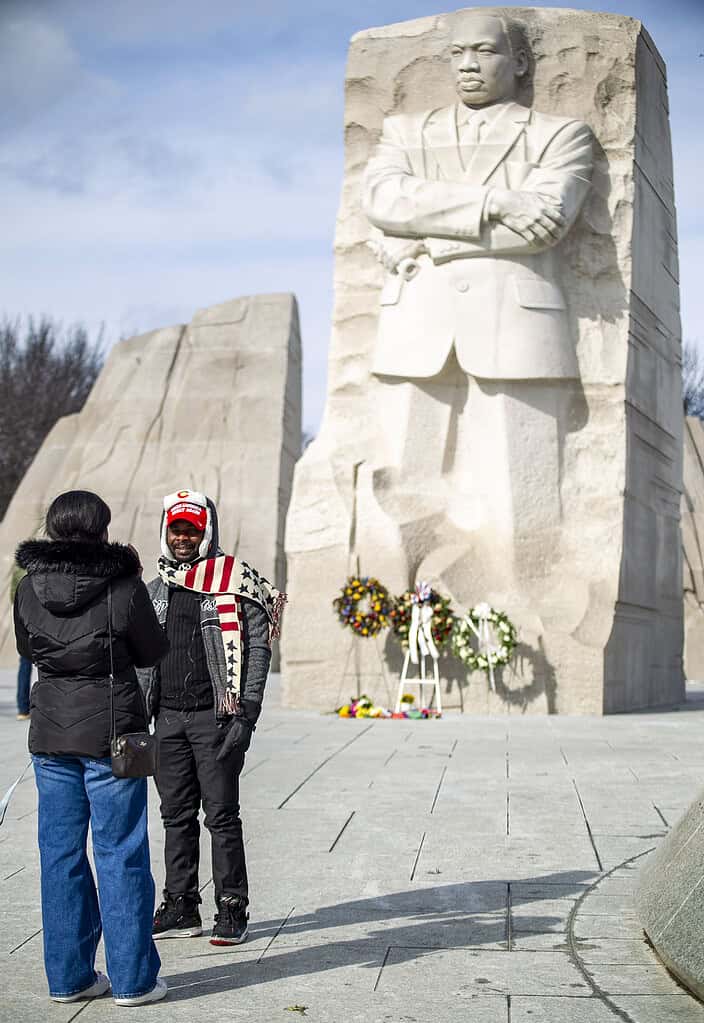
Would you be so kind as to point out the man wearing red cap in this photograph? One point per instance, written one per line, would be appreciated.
(205, 696)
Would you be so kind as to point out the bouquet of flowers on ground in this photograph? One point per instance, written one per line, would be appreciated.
(413, 713)
(362, 707)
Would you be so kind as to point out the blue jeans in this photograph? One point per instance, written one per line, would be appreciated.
(73, 792)
(24, 680)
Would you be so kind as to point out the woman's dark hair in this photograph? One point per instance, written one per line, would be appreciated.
(77, 515)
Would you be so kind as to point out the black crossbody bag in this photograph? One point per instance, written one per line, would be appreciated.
(133, 754)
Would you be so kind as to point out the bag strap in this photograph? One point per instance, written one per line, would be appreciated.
(113, 727)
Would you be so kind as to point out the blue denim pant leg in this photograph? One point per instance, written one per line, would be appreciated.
(125, 883)
(24, 681)
(70, 914)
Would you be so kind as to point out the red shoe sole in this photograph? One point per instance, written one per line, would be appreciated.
(229, 941)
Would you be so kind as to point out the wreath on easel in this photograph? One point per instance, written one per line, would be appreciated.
(441, 624)
(484, 639)
(364, 605)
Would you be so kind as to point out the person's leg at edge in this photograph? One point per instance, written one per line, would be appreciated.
(70, 913)
(219, 783)
(125, 883)
(24, 681)
(179, 791)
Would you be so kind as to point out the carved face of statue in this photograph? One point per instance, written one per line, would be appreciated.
(486, 70)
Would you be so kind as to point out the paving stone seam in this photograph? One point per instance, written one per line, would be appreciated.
(252, 769)
(322, 764)
(420, 850)
(588, 827)
(660, 815)
(574, 953)
(437, 790)
(341, 832)
(26, 940)
(80, 1010)
(278, 932)
(381, 968)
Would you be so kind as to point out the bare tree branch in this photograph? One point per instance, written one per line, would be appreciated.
(45, 373)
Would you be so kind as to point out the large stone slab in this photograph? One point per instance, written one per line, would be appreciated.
(670, 899)
(214, 405)
(504, 418)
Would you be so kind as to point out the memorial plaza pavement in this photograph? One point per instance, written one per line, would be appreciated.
(468, 869)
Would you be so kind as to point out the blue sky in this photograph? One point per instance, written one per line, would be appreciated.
(159, 156)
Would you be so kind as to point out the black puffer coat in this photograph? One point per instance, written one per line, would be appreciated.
(61, 624)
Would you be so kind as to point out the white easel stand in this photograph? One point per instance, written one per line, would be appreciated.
(421, 682)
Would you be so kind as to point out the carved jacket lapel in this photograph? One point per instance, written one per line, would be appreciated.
(500, 137)
(440, 146)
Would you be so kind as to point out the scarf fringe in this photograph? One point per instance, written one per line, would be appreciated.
(230, 702)
(277, 612)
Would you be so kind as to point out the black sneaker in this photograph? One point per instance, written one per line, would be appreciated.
(231, 922)
(177, 917)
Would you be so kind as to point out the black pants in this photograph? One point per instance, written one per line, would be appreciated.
(188, 775)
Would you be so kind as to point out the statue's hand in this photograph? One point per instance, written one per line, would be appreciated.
(535, 217)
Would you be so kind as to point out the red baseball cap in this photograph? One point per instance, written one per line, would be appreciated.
(188, 505)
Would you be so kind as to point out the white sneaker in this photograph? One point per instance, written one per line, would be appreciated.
(155, 995)
(100, 986)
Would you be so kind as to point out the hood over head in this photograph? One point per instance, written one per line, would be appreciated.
(189, 504)
(67, 574)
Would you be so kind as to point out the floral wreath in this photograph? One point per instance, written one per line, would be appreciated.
(364, 605)
(442, 622)
(484, 639)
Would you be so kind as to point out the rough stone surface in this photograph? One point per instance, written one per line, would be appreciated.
(693, 547)
(214, 405)
(578, 538)
(405, 870)
(671, 898)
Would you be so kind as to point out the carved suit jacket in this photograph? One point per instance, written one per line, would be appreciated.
(476, 285)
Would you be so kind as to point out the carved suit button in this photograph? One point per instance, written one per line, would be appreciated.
(462, 286)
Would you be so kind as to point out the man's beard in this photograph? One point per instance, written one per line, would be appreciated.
(184, 558)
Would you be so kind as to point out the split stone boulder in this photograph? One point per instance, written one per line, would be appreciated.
(214, 405)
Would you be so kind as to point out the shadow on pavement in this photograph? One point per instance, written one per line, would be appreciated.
(468, 915)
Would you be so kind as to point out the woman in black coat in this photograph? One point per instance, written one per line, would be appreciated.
(61, 624)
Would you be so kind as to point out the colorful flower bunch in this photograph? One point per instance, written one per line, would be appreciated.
(442, 622)
(497, 645)
(364, 605)
(363, 707)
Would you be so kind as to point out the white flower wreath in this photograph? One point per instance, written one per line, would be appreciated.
(484, 639)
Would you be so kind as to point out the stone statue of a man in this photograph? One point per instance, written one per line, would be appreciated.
(472, 201)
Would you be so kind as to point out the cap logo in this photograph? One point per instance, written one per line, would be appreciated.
(183, 493)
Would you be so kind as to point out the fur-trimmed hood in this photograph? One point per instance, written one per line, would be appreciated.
(67, 574)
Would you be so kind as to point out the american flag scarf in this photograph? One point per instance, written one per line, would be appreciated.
(227, 580)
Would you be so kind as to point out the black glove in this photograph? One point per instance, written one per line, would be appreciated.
(238, 738)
